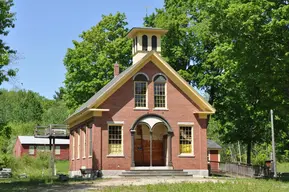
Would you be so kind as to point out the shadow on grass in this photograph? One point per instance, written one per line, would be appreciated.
(45, 184)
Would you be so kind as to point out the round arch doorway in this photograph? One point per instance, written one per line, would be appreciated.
(151, 142)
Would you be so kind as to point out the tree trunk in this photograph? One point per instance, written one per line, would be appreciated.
(249, 149)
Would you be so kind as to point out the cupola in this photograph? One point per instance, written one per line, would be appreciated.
(144, 41)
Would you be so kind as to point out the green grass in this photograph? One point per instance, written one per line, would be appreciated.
(235, 185)
(282, 167)
(62, 167)
(238, 185)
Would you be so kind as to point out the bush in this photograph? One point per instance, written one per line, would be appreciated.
(33, 167)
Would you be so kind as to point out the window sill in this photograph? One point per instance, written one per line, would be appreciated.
(115, 156)
(160, 109)
(141, 109)
(83, 157)
(188, 155)
(89, 156)
(77, 158)
(72, 159)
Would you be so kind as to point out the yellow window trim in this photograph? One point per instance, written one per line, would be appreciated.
(115, 123)
(192, 153)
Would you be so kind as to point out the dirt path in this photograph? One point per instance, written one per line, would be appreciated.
(146, 181)
(102, 183)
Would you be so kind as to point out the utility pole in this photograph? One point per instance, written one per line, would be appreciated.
(273, 144)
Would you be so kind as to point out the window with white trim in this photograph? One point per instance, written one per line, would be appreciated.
(160, 91)
(31, 150)
(115, 140)
(40, 148)
(57, 150)
(78, 144)
(186, 140)
(90, 141)
(84, 142)
(140, 90)
(73, 145)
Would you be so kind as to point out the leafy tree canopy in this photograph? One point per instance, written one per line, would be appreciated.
(89, 63)
(6, 21)
(237, 51)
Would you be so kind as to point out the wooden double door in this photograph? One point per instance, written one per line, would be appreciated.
(142, 152)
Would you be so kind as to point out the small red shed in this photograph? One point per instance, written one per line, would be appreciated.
(31, 146)
(214, 154)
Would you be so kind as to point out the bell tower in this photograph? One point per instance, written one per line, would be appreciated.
(144, 41)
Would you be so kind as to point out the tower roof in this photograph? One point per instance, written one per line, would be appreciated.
(136, 30)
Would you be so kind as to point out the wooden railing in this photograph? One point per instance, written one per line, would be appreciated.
(238, 169)
(52, 130)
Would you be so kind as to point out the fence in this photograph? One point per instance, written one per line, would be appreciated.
(238, 169)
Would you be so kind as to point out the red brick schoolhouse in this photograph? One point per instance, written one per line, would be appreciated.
(147, 117)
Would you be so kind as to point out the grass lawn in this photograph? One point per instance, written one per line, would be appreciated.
(283, 167)
(234, 185)
(62, 166)
(228, 185)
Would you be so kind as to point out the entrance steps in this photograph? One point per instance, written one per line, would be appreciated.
(156, 172)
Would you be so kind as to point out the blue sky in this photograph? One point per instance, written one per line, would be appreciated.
(45, 29)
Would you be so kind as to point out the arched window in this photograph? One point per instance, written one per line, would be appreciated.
(140, 90)
(144, 43)
(160, 91)
(154, 42)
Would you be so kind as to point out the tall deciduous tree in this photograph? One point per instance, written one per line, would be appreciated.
(89, 64)
(6, 21)
(238, 53)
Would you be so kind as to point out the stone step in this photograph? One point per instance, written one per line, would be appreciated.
(155, 173)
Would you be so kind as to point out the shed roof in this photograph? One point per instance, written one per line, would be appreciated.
(212, 145)
(41, 141)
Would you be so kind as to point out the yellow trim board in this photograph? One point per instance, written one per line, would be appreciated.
(83, 117)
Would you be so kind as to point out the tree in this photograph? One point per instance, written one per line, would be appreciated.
(20, 106)
(89, 64)
(6, 21)
(59, 94)
(56, 114)
(237, 51)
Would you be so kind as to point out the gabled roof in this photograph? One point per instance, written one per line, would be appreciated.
(90, 101)
(212, 145)
(41, 141)
(123, 77)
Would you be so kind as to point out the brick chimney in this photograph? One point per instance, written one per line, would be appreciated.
(116, 69)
